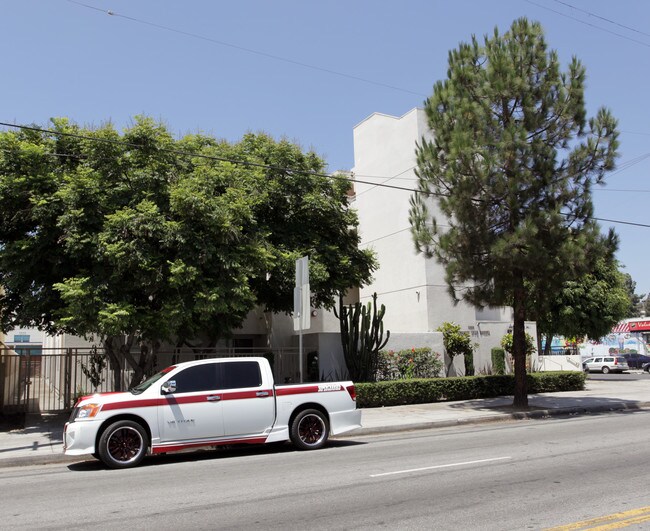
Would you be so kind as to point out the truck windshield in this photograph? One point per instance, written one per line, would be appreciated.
(149, 381)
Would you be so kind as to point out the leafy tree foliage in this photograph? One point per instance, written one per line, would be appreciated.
(511, 165)
(634, 301)
(139, 238)
(303, 214)
(457, 343)
(589, 306)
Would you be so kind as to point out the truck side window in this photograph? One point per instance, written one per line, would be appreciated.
(236, 374)
(197, 378)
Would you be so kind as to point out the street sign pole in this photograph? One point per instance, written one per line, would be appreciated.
(301, 306)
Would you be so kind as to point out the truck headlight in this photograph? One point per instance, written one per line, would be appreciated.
(88, 411)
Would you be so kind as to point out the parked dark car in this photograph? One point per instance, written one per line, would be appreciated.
(636, 361)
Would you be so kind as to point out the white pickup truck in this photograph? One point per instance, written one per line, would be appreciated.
(208, 403)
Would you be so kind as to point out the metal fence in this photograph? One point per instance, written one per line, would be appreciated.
(52, 379)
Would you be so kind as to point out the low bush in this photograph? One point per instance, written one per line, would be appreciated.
(427, 390)
(408, 364)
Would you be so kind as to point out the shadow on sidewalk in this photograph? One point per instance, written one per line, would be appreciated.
(47, 426)
(554, 402)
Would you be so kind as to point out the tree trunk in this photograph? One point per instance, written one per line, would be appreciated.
(117, 349)
(519, 345)
(143, 368)
(547, 346)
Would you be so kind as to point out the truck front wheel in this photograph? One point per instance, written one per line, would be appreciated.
(309, 430)
(123, 444)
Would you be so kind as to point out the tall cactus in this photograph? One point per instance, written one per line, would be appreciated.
(362, 337)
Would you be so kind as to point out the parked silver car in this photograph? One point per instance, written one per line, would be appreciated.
(605, 364)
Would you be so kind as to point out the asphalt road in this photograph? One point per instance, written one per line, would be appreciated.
(634, 374)
(514, 475)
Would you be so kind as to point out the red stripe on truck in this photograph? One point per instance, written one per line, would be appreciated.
(282, 391)
(315, 388)
(172, 400)
(161, 449)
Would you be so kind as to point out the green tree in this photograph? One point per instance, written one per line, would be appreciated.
(589, 306)
(457, 343)
(511, 166)
(634, 300)
(138, 239)
(507, 344)
(303, 213)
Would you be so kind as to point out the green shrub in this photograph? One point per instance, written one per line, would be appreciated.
(408, 364)
(458, 343)
(498, 360)
(553, 382)
(423, 391)
(468, 359)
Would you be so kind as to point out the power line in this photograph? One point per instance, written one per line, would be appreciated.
(255, 164)
(618, 221)
(249, 50)
(621, 190)
(603, 18)
(589, 24)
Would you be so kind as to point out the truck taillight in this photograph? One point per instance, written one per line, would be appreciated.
(352, 392)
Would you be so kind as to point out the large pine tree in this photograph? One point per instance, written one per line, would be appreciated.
(511, 167)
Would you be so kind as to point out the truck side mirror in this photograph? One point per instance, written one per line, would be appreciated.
(168, 387)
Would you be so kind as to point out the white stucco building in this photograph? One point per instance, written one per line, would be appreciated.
(411, 286)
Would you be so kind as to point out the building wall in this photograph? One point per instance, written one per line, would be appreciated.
(412, 287)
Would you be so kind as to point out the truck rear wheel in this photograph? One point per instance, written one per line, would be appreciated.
(123, 444)
(309, 430)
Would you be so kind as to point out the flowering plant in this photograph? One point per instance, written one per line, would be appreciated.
(409, 363)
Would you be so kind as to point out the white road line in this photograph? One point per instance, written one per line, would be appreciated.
(438, 466)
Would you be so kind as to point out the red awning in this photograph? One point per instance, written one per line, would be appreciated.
(639, 326)
(622, 327)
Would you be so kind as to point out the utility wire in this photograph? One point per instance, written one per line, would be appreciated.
(589, 24)
(258, 165)
(249, 50)
(602, 18)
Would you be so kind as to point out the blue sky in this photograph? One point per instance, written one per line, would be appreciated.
(310, 71)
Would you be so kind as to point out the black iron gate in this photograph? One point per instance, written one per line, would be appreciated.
(53, 379)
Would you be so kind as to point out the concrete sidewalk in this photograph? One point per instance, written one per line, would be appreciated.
(40, 440)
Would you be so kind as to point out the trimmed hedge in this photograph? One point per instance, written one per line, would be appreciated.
(423, 391)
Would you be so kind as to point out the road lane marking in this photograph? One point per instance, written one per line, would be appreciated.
(439, 466)
(611, 521)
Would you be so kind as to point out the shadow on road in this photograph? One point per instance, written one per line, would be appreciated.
(554, 403)
(222, 452)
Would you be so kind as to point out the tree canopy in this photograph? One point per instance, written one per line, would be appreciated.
(138, 238)
(589, 306)
(634, 300)
(511, 167)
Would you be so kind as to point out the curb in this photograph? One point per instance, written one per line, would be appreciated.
(39, 460)
(497, 417)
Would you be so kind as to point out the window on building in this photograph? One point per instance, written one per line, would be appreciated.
(28, 351)
(21, 338)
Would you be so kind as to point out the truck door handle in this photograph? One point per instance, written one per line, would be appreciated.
(214, 398)
(262, 393)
